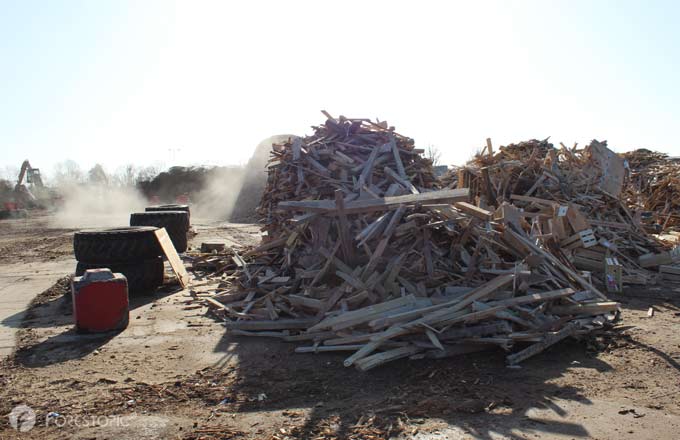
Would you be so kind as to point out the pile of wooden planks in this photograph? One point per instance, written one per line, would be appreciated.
(576, 199)
(654, 187)
(363, 253)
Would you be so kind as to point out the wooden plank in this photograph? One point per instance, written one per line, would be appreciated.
(394, 221)
(651, 260)
(475, 330)
(489, 147)
(368, 167)
(297, 149)
(266, 246)
(536, 200)
(344, 340)
(451, 306)
(393, 190)
(229, 310)
(491, 197)
(402, 181)
(673, 270)
(343, 227)
(582, 281)
(534, 297)
(305, 301)
(279, 324)
(360, 320)
(172, 256)
(319, 168)
(280, 335)
(397, 159)
(325, 348)
(596, 308)
(457, 350)
(474, 211)
(550, 339)
(433, 338)
(365, 311)
(611, 167)
(577, 220)
(307, 336)
(371, 230)
(361, 353)
(370, 205)
(377, 359)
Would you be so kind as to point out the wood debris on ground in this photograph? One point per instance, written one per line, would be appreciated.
(366, 252)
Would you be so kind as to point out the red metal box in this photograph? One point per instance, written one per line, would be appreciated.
(100, 301)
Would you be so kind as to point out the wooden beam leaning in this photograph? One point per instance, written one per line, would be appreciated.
(549, 340)
(402, 181)
(397, 159)
(343, 227)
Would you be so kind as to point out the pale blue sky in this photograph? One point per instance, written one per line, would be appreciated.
(122, 82)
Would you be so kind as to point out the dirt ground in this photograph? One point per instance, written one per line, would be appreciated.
(175, 374)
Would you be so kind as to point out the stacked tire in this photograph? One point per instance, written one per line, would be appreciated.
(133, 251)
(175, 222)
(169, 207)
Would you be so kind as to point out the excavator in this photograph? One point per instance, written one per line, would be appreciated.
(28, 193)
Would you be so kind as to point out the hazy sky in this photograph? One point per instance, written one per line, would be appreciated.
(203, 82)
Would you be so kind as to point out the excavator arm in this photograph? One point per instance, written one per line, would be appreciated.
(22, 173)
(30, 174)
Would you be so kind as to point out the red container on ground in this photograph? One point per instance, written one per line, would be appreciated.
(100, 301)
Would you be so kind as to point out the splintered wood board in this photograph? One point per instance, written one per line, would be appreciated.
(172, 256)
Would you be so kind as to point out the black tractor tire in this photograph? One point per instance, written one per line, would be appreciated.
(179, 240)
(169, 207)
(170, 220)
(117, 245)
(143, 277)
(176, 223)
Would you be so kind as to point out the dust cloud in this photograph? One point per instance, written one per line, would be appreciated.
(225, 193)
(216, 199)
(96, 206)
(255, 181)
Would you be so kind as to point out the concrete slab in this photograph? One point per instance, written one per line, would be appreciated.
(19, 284)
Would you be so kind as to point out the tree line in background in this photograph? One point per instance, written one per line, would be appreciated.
(69, 172)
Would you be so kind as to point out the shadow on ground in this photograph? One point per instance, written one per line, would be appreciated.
(644, 298)
(476, 394)
(53, 308)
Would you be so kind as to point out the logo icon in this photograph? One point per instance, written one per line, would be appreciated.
(22, 418)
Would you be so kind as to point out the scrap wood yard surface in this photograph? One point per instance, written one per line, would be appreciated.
(527, 294)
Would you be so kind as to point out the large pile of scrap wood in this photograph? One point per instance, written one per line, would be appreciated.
(364, 254)
(581, 200)
(654, 187)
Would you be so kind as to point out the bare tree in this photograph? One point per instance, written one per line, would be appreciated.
(434, 154)
(129, 175)
(147, 173)
(67, 171)
(9, 172)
